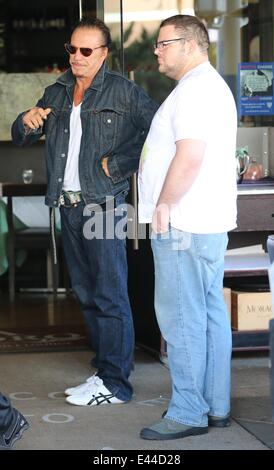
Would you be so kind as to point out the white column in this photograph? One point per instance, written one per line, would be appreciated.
(229, 45)
(186, 7)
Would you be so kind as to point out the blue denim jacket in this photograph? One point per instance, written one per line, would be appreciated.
(116, 115)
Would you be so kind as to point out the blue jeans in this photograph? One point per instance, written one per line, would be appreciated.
(98, 272)
(193, 319)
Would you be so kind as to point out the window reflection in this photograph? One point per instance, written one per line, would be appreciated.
(240, 31)
(244, 34)
(141, 20)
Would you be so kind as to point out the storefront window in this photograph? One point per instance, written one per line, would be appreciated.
(240, 31)
(141, 20)
(244, 53)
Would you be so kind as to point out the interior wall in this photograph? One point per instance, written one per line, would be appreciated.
(13, 160)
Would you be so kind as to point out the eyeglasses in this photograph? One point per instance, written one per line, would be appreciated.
(85, 51)
(163, 44)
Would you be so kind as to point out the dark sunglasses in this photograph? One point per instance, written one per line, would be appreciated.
(85, 51)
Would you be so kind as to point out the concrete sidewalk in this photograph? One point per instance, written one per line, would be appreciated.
(35, 384)
(251, 401)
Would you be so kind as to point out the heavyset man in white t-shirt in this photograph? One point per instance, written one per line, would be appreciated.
(187, 188)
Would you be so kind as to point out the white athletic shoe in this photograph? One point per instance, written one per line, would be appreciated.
(95, 393)
(80, 388)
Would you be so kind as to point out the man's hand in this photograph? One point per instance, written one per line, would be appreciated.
(34, 118)
(160, 219)
(105, 166)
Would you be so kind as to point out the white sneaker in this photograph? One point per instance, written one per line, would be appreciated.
(80, 388)
(95, 393)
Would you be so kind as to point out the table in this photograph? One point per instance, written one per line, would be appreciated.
(15, 231)
(8, 190)
(255, 223)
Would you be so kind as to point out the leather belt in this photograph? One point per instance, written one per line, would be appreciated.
(70, 198)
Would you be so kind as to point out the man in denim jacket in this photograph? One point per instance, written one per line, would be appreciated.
(95, 122)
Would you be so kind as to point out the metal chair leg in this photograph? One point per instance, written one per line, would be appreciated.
(11, 250)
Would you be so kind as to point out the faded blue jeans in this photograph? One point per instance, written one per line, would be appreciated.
(193, 319)
(98, 272)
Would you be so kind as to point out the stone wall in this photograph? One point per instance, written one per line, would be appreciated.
(19, 92)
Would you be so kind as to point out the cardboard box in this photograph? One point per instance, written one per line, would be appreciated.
(227, 297)
(251, 310)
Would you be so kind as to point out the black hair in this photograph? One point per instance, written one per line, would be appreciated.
(95, 23)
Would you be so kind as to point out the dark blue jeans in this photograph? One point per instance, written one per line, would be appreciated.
(98, 272)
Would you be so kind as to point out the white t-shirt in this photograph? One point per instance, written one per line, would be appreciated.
(201, 107)
(71, 177)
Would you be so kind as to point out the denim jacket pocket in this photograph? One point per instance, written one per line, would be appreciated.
(51, 122)
(109, 122)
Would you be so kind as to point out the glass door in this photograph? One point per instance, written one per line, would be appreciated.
(134, 27)
(110, 11)
(136, 34)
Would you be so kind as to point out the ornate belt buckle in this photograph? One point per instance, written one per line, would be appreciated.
(61, 200)
(72, 198)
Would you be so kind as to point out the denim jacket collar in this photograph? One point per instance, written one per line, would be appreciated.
(67, 79)
(115, 116)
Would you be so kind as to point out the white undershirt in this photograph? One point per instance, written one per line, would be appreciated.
(71, 176)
